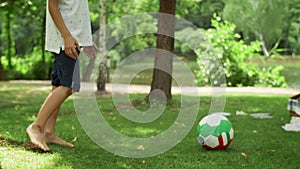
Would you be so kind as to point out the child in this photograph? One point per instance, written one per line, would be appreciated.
(67, 29)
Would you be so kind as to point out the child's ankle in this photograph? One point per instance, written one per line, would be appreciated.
(37, 127)
(48, 133)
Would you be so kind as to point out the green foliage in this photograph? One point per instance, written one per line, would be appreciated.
(293, 29)
(278, 20)
(262, 20)
(294, 38)
(199, 12)
(191, 37)
(271, 76)
(226, 60)
(27, 24)
(28, 67)
(130, 35)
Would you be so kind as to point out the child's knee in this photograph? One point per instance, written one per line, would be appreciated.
(68, 91)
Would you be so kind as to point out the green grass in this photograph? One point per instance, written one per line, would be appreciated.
(263, 141)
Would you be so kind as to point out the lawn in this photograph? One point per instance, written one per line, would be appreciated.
(258, 143)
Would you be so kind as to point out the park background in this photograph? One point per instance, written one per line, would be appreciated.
(257, 41)
(256, 37)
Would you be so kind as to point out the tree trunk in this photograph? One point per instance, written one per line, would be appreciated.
(101, 80)
(263, 45)
(43, 38)
(287, 31)
(163, 65)
(89, 70)
(2, 72)
(9, 39)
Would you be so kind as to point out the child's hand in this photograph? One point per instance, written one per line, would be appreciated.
(71, 47)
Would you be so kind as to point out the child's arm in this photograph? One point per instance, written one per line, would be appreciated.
(70, 43)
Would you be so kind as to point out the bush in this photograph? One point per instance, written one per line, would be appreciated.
(30, 67)
(226, 60)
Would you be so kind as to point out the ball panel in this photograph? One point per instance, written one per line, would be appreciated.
(224, 138)
(206, 130)
(221, 146)
(215, 119)
(203, 120)
(231, 133)
(225, 126)
(201, 139)
(212, 141)
(198, 130)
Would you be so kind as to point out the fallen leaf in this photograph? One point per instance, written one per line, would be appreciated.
(74, 139)
(244, 155)
(141, 148)
(258, 148)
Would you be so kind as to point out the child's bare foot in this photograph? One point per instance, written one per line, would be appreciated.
(37, 137)
(54, 139)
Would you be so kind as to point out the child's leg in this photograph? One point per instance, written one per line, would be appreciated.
(50, 106)
(62, 76)
(49, 130)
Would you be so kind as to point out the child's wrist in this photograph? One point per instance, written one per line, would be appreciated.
(65, 36)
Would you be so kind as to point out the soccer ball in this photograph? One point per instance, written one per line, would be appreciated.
(215, 132)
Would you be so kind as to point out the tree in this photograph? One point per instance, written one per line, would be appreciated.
(95, 11)
(8, 20)
(199, 12)
(262, 20)
(162, 73)
(108, 11)
(233, 56)
(101, 80)
(22, 33)
(7, 45)
(292, 31)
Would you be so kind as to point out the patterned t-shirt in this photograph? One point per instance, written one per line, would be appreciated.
(76, 16)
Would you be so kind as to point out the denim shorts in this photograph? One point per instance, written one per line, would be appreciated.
(65, 71)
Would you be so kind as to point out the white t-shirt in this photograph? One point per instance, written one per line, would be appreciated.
(76, 16)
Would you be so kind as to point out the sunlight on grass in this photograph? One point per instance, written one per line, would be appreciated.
(31, 118)
(140, 131)
(14, 158)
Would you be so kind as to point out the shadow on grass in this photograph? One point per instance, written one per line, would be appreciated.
(16, 144)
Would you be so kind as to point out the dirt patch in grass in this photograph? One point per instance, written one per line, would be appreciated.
(16, 144)
(2, 103)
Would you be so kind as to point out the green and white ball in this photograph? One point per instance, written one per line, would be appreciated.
(215, 132)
